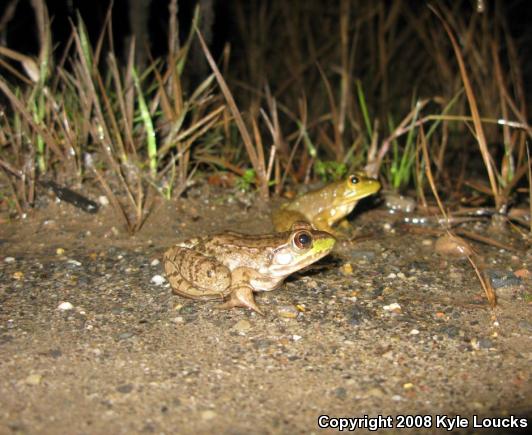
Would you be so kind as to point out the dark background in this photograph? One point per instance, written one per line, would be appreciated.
(20, 33)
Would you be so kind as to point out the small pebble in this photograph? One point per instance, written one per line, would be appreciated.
(296, 337)
(453, 246)
(208, 415)
(414, 332)
(392, 307)
(502, 278)
(362, 255)
(74, 262)
(357, 315)
(520, 273)
(65, 306)
(340, 392)
(125, 389)
(347, 269)
(311, 283)
(485, 343)
(34, 379)
(375, 392)
(9, 260)
(242, 326)
(158, 279)
(103, 200)
(18, 275)
(60, 251)
(287, 311)
(154, 263)
(426, 242)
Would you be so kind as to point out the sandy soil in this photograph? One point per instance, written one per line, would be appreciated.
(384, 326)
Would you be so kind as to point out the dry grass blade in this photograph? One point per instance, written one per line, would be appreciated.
(119, 209)
(257, 163)
(529, 186)
(336, 121)
(479, 131)
(484, 280)
(19, 107)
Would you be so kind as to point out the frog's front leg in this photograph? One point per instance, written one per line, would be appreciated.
(242, 291)
(323, 222)
(241, 296)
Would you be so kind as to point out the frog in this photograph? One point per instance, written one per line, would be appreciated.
(232, 266)
(325, 207)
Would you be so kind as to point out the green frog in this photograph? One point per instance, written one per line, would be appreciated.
(326, 206)
(231, 266)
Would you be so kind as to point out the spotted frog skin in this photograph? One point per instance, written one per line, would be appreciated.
(231, 266)
(326, 206)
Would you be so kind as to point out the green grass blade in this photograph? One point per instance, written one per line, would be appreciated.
(151, 140)
(364, 108)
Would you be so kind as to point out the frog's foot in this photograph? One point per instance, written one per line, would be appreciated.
(241, 296)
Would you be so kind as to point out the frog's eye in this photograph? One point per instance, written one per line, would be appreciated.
(353, 179)
(303, 240)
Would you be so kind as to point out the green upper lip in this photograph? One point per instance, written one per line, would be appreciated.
(369, 188)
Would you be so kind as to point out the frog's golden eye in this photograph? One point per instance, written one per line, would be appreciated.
(353, 179)
(303, 240)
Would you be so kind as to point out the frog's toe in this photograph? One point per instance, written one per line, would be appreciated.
(242, 296)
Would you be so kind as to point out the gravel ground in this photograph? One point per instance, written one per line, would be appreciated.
(92, 340)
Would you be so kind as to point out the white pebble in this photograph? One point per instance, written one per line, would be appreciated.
(392, 307)
(154, 263)
(102, 199)
(208, 415)
(414, 332)
(65, 306)
(296, 337)
(74, 262)
(9, 260)
(158, 279)
(392, 276)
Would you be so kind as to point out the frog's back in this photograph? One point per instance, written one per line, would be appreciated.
(241, 250)
(304, 208)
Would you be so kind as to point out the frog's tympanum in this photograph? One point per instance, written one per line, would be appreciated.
(326, 206)
(231, 266)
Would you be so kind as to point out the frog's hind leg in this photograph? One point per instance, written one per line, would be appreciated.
(241, 296)
(194, 275)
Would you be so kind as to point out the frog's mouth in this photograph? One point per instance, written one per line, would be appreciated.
(369, 188)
